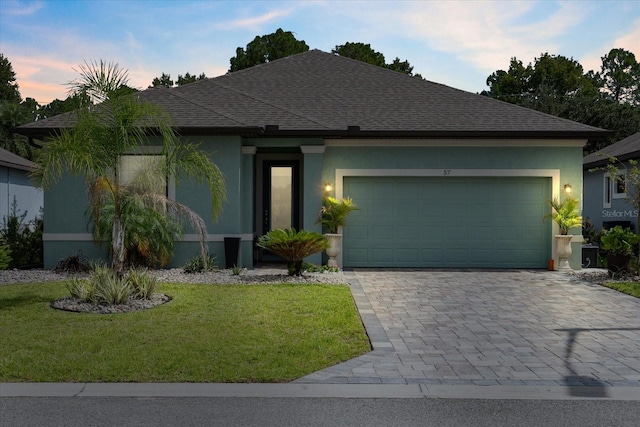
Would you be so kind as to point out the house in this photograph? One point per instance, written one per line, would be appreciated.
(15, 185)
(442, 177)
(605, 198)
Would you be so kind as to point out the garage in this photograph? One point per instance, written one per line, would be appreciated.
(442, 222)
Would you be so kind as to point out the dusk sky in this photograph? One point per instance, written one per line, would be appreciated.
(457, 43)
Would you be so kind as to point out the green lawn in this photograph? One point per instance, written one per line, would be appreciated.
(207, 333)
(630, 288)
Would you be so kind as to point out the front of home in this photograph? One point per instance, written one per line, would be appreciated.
(606, 198)
(442, 178)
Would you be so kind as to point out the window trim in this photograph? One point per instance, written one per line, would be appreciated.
(155, 150)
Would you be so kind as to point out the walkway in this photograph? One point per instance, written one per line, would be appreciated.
(499, 328)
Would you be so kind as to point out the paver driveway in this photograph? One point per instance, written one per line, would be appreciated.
(491, 328)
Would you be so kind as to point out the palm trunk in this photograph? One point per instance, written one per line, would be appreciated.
(117, 245)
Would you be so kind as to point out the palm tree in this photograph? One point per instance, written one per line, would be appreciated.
(118, 124)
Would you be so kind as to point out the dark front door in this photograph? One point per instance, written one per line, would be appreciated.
(280, 197)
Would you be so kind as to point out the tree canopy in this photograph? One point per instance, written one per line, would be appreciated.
(558, 85)
(364, 52)
(8, 85)
(270, 47)
(166, 81)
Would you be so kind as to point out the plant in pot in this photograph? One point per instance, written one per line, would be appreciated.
(619, 244)
(333, 216)
(567, 215)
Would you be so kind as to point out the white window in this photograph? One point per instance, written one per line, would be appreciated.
(142, 170)
(613, 188)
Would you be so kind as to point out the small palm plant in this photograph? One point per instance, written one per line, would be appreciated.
(334, 213)
(566, 214)
(294, 246)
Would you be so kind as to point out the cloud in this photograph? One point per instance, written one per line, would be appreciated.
(17, 8)
(488, 34)
(256, 21)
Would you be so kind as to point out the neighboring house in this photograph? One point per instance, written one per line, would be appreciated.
(605, 199)
(15, 184)
(442, 177)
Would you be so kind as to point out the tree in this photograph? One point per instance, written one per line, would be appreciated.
(188, 78)
(558, 85)
(165, 80)
(101, 137)
(360, 52)
(267, 48)
(364, 53)
(8, 85)
(620, 76)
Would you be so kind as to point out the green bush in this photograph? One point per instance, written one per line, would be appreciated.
(149, 233)
(5, 257)
(619, 241)
(142, 284)
(294, 246)
(104, 286)
(23, 239)
(195, 265)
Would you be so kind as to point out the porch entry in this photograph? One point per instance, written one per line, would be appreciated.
(278, 196)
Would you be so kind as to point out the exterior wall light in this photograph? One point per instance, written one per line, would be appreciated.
(328, 188)
(568, 188)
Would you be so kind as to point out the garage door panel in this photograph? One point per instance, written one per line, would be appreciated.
(447, 222)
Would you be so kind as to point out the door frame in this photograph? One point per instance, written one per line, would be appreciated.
(263, 161)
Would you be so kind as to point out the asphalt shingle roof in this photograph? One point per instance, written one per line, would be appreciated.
(13, 161)
(318, 93)
(625, 149)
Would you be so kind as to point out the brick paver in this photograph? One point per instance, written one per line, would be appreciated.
(491, 328)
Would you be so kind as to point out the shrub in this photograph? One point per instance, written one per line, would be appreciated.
(142, 284)
(195, 265)
(619, 241)
(23, 239)
(81, 289)
(294, 246)
(73, 264)
(5, 257)
(149, 234)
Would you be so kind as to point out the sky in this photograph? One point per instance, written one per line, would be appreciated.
(456, 43)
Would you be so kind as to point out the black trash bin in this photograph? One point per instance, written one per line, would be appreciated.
(231, 250)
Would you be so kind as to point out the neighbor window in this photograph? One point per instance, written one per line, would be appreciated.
(613, 188)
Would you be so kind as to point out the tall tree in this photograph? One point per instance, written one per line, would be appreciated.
(620, 76)
(558, 85)
(165, 80)
(8, 85)
(364, 53)
(104, 134)
(360, 52)
(270, 47)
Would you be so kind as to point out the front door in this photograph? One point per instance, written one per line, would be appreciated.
(280, 198)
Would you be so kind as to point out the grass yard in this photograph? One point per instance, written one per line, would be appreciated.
(207, 333)
(630, 288)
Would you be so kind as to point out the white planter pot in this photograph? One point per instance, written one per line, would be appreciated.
(335, 245)
(563, 246)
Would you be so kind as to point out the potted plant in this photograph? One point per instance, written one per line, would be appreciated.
(567, 215)
(618, 243)
(333, 216)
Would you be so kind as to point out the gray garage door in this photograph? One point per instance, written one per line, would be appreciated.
(447, 222)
